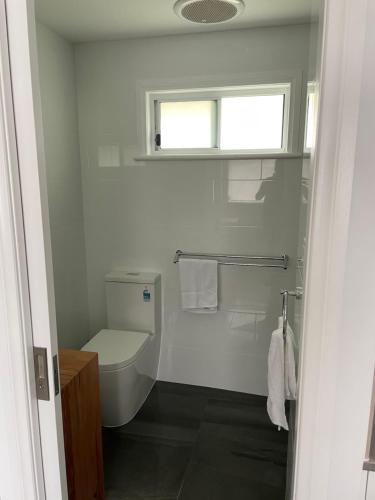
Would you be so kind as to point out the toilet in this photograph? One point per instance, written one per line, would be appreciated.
(129, 348)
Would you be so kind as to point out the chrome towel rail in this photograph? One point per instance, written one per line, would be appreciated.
(288, 293)
(236, 260)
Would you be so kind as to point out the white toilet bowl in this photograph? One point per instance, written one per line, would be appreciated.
(127, 367)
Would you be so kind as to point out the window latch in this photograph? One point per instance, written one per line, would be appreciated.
(158, 140)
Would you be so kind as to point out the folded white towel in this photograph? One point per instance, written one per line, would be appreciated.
(281, 375)
(198, 282)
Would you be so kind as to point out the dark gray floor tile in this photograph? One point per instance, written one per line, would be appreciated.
(244, 415)
(182, 407)
(203, 482)
(141, 469)
(236, 451)
(196, 443)
(116, 495)
(207, 392)
(158, 430)
(170, 412)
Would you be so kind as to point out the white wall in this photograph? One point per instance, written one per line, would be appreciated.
(138, 215)
(60, 126)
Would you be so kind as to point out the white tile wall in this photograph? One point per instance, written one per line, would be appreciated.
(63, 168)
(139, 214)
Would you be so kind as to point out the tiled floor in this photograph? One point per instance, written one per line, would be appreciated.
(196, 443)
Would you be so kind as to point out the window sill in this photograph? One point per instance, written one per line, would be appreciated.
(237, 156)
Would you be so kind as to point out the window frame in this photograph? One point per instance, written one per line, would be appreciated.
(154, 98)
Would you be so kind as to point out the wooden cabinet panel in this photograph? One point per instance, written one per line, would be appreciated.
(79, 378)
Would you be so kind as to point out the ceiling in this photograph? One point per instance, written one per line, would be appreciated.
(89, 20)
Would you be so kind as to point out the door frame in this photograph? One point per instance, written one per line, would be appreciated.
(27, 293)
(36, 468)
(20, 453)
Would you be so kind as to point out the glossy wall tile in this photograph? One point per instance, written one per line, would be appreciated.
(139, 217)
(137, 214)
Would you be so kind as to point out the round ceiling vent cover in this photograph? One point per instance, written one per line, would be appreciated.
(208, 11)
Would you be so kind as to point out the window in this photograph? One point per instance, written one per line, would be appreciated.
(219, 120)
(310, 116)
(252, 122)
(187, 124)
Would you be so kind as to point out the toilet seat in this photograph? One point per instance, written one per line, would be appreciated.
(117, 348)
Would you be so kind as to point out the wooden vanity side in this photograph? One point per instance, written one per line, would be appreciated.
(79, 379)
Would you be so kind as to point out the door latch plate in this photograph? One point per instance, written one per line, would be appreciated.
(41, 373)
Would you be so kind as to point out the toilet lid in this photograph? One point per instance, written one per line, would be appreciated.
(116, 348)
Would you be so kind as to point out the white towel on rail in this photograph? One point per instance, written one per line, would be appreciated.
(290, 364)
(281, 375)
(198, 283)
(276, 380)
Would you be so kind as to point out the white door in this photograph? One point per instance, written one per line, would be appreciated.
(370, 489)
(33, 427)
(338, 342)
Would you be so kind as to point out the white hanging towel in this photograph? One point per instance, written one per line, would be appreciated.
(198, 283)
(276, 381)
(281, 376)
(290, 365)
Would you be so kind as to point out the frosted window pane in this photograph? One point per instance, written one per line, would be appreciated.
(254, 122)
(310, 125)
(189, 124)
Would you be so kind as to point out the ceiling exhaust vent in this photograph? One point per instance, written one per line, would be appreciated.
(208, 11)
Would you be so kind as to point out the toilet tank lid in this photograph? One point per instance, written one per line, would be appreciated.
(129, 276)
